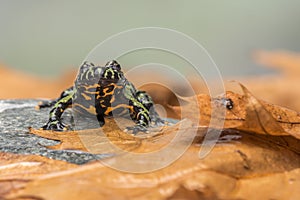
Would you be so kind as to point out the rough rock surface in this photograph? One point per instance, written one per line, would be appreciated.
(15, 118)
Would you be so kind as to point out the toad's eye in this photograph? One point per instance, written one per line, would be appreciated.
(86, 66)
(114, 65)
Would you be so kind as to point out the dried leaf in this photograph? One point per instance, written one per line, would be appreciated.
(189, 176)
(17, 170)
(259, 119)
(287, 62)
(248, 114)
(32, 86)
(104, 140)
(280, 88)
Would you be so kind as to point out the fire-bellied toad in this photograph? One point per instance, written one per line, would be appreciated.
(101, 92)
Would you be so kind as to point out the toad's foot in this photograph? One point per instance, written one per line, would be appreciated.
(45, 104)
(55, 126)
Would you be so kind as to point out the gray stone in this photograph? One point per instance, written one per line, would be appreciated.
(15, 118)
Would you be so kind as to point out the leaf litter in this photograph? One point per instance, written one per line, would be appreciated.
(256, 157)
(267, 151)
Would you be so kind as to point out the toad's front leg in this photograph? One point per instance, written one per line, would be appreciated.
(50, 103)
(140, 115)
(54, 122)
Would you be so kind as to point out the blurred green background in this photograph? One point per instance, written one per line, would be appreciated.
(46, 37)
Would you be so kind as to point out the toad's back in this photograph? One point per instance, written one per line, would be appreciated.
(99, 90)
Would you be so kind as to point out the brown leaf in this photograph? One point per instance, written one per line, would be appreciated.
(17, 170)
(259, 119)
(231, 171)
(32, 86)
(248, 114)
(287, 62)
(68, 139)
(110, 138)
(280, 88)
